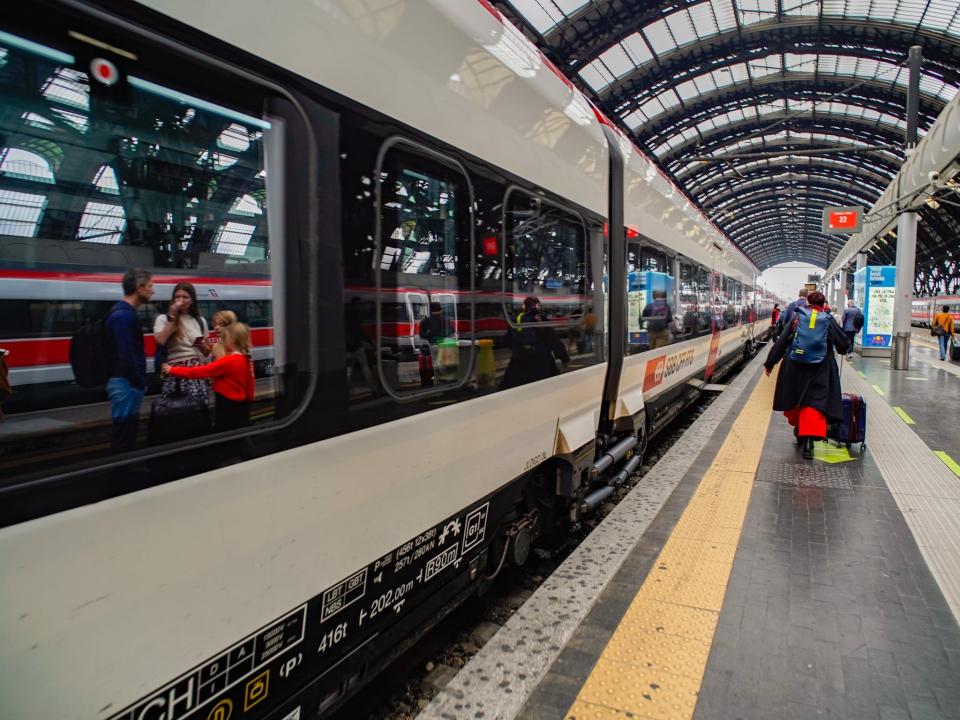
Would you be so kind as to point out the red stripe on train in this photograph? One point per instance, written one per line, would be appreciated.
(116, 277)
(56, 351)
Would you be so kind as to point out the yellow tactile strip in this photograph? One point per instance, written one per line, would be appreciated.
(654, 662)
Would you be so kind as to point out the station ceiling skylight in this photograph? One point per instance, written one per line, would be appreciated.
(724, 92)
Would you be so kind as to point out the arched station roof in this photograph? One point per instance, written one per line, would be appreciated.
(764, 111)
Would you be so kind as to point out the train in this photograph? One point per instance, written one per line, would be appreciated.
(923, 309)
(476, 301)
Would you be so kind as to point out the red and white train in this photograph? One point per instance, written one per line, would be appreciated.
(42, 309)
(924, 308)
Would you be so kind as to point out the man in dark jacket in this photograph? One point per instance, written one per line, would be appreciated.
(128, 374)
(534, 350)
(657, 318)
(801, 301)
(809, 394)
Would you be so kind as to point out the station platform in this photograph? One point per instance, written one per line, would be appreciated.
(738, 580)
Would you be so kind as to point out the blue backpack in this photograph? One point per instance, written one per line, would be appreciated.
(810, 337)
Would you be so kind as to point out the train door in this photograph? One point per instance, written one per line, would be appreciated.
(418, 310)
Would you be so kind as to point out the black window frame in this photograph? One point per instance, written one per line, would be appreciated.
(503, 257)
(415, 147)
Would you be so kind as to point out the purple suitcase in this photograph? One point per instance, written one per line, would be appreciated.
(853, 427)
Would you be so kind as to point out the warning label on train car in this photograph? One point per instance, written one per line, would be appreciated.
(237, 677)
(251, 678)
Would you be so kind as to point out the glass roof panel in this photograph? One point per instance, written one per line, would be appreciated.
(634, 119)
(682, 28)
(637, 49)
(102, 223)
(545, 15)
(617, 61)
(596, 75)
(690, 89)
(943, 15)
(801, 7)
(69, 87)
(659, 37)
(26, 165)
(754, 11)
(20, 212)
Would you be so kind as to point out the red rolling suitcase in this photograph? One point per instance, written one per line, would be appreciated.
(853, 427)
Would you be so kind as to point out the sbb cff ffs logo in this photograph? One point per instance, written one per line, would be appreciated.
(665, 366)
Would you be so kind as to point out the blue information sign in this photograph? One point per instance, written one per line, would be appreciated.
(875, 288)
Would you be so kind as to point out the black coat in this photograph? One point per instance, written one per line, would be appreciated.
(804, 385)
(534, 352)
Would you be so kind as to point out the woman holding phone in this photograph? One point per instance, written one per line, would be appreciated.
(182, 333)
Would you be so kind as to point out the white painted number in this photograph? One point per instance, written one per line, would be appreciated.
(333, 638)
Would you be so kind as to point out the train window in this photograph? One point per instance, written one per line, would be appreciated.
(653, 260)
(545, 257)
(96, 178)
(732, 303)
(689, 325)
(651, 321)
(424, 272)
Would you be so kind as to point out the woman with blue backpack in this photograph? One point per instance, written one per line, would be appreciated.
(808, 386)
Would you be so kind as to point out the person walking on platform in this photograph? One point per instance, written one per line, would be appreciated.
(808, 385)
(852, 320)
(801, 301)
(943, 328)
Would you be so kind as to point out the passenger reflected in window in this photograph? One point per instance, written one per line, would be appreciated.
(691, 321)
(657, 319)
(232, 375)
(434, 327)
(729, 316)
(584, 330)
(534, 350)
(441, 347)
(359, 347)
(221, 319)
(128, 374)
(181, 340)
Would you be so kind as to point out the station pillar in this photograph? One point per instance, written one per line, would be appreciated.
(842, 289)
(906, 270)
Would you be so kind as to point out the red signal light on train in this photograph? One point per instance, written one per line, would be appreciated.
(489, 245)
(104, 71)
(631, 233)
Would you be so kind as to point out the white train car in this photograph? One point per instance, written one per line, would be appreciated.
(376, 164)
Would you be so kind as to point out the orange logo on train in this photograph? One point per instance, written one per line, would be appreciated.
(654, 374)
(665, 366)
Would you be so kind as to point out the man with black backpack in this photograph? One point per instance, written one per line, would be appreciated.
(657, 318)
(852, 320)
(127, 382)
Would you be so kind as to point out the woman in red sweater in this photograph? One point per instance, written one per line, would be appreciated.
(232, 377)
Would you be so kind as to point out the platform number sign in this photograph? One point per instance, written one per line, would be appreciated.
(842, 220)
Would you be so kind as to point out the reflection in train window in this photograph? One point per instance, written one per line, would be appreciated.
(424, 273)
(544, 256)
(96, 179)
